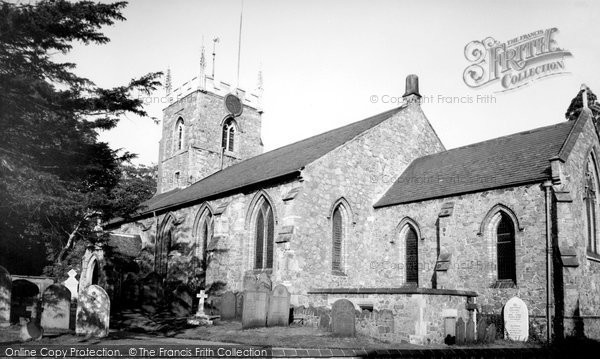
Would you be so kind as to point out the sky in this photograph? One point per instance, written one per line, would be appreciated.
(329, 63)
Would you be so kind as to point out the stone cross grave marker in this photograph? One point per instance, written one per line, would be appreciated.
(343, 316)
(470, 331)
(228, 306)
(255, 309)
(5, 295)
(72, 284)
(93, 312)
(56, 307)
(460, 331)
(516, 320)
(201, 297)
(279, 307)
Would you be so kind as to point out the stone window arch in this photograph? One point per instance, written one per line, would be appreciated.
(164, 244)
(500, 229)
(229, 138)
(590, 200)
(203, 232)
(341, 218)
(409, 235)
(179, 134)
(262, 222)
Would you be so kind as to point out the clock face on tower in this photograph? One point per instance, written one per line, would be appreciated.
(233, 105)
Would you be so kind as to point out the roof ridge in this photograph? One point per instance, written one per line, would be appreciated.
(496, 139)
(390, 112)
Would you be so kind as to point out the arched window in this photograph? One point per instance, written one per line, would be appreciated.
(591, 203)
(264, 231)
(505, 243)
(229, 129)
(179, 134)
(412, 257)
(338, 237)
(203, 232)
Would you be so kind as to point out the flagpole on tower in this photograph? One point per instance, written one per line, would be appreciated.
(240, 46)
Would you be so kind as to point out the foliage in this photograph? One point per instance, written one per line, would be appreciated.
(56, 177)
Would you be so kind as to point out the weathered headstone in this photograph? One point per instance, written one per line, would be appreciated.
(227, 306)
(5, 293)
(343, 318)
(72, 284)
(93, 312)
(481, 325)
(279, 307)
(239, 305)
(255, 309)
(250, 282)
(470, 331)
(181, 303)
(56, 304)
(325, 322)
(460, 331)
(516, 320)
(264, 282)
(490, 333)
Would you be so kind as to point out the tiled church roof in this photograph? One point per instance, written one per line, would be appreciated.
(501, 162)
(268, 166)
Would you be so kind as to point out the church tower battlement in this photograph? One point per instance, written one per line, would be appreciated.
(207, 126)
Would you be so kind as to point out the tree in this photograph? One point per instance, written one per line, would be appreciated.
(56, 177)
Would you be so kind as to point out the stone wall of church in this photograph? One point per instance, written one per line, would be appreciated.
(580, 285)
(467, 235)
(359, 172)
(203, 115)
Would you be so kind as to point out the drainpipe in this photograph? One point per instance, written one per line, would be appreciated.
(548, 185)
(155, 238)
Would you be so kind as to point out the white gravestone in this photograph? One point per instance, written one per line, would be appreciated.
(516, 320)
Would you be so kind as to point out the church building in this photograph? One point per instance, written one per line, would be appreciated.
(455, 233)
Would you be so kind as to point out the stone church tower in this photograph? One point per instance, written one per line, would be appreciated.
(207, 126)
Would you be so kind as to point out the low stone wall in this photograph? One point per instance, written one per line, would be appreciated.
(400, 317)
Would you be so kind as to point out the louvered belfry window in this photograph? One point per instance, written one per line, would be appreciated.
(506, 249)
(412, 257)
(338, 233)
(264, 237)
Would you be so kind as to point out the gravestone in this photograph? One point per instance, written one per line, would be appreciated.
(470, 331)
(264, 282)
(490, 333)
(325, 322)
(227, 307)
(481, 325)
(5, 295)
(343, 318)
(56, 307)
(279, 307)
(516, 320)
(255, 309)
(151, 292)
(181, 303)
(460, 331)
(93, 312)
(72, 284)
(250, 282)
(239, 305)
